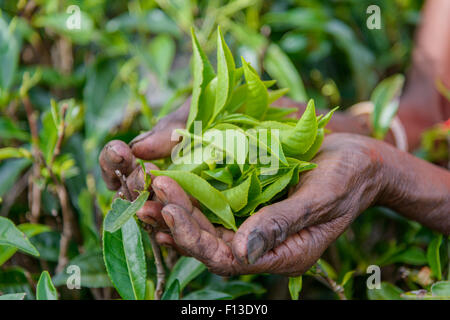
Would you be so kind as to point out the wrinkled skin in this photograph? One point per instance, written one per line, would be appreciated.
(354, 172)
(289, 236)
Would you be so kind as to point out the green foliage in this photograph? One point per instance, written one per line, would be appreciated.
(10, 235)
(13, 296)
(45, 290)
(433, 256)
(204, 192)
(172, 292)
(125, 262)
(295, 286)
(185, 270)
(387, 291)
(236, 197)
(128, 66)
(122, 211)
(92, 270)
(29, 230)
(385, 98)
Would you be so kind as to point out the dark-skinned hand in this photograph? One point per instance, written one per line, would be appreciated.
(287, 237)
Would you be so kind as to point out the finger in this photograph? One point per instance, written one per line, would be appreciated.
(271, 225)
(169, 191)
(203, 221)
(150, 213)
(157, 143)
(225, 234)
(116, 155)
(136, 179)
(202, 245)
(300, 251)
(166, 240)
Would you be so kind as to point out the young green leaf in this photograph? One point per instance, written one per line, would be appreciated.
(308, 155)
(385, 99)
(268, 193)
(122, 211)
(172, 292)
(225, 74)
(347, 277)
(277, 94)
(267, 143)
(203, 192)
(237, 99)
(30, 230)
(45, 290)
(207, 294)
(10, 152)
(433, 256)
(9, 54)
(13, 296)
(281, 68)
(299, 139)
(269, 83)
(91, 239)
(295, 286)
(326, 118)
(203, 73)
(125, 262)
(239, 118)
(10, 235)
(387, 291)
(92, 270)
(238, 196)
(441, 289)
(10, 130)
(220, 174)
(185, 270)
(255, 188)
(257, 95)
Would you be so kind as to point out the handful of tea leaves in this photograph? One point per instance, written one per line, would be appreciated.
(237, 152)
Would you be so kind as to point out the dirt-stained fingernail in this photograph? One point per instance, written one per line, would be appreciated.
(168, 218)
(140, 137)
(160, 194)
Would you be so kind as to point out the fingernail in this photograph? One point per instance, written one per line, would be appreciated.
(140, 137)
(255, 246)
(160, 194)
(168, 218)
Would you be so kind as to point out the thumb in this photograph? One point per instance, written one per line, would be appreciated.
(268, 228)
(158, 143)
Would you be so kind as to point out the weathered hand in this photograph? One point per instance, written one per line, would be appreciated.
(289, 236)
(155, 144)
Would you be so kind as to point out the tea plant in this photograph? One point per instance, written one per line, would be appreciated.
(65, 93)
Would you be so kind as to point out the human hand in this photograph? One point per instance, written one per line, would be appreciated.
(287, 237)
(118, 162)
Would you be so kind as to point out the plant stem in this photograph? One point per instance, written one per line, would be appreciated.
(160, 272)
(67, 214)
(34, 193)
(61, 129)
(123, 182)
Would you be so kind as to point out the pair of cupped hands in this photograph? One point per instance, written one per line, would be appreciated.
(287, 237)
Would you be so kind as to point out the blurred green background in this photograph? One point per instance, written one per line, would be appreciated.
(128, 66)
